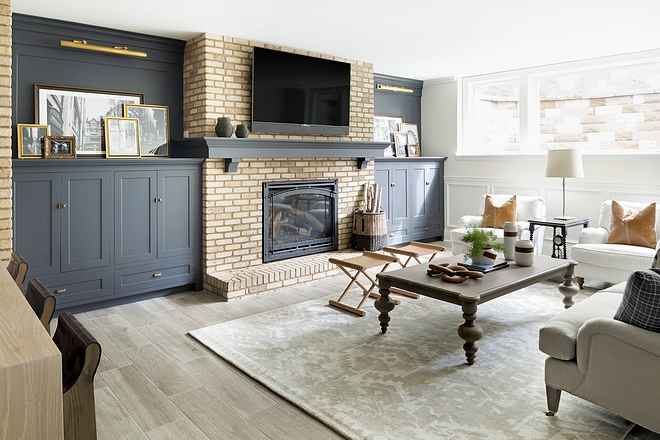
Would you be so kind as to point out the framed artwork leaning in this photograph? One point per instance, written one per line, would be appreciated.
(30, 140)
(59, 147)
(154, 128)
(401, 143)
(79, 112)
(384, 128)
(122, 137)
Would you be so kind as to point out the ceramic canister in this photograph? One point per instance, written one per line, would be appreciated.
(510, 238)
(524, 253)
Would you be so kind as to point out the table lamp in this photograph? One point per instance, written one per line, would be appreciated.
(564, 163)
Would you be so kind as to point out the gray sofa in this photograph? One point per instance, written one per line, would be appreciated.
(608, 362)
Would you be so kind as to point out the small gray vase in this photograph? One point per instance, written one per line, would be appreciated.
(242, 131)
(223, 127)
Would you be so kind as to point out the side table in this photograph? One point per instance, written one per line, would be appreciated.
(558, 240)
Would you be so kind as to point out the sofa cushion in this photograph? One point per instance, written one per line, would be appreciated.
(496, 214)
(640, 305)
(559, 336)
(633, 227)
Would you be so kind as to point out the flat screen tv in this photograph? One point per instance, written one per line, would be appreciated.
(299, 94)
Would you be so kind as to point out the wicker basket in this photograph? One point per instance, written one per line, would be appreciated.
(369, 230)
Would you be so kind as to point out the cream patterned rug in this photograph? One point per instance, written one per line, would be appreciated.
(413, 382)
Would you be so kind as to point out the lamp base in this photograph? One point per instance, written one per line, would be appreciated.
(564, 217)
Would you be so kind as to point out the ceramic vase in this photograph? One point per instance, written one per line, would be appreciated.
(242, 131)
(510, 238)
(223, 127)
(524, 253)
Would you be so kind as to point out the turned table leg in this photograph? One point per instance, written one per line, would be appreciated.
(384, 305)
(469, 331)
(567, 288)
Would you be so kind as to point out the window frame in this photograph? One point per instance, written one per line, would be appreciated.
(530, 105)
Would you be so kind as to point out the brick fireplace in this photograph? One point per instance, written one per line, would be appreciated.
(217, 82)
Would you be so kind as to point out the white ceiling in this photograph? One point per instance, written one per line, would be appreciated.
(423, 39)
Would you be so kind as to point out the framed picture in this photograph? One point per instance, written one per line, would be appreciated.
(73, 111)
(59, 147)
(400, 143)
(31, 140)
(122, 137)
(413, 149)
(154, 128)
(384, 128)
(411, 129)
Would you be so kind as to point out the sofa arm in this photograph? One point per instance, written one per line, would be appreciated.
(470, 220)
(635, 339)
(593, 236)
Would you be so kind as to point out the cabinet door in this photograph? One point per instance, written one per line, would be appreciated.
(135, 216)
(37, 221)
(176, 212)
(426, 190)
(85, 220)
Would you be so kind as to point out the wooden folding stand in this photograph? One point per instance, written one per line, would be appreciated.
(414, 250)
(360, 264)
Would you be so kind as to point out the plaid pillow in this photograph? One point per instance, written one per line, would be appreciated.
(640, 305)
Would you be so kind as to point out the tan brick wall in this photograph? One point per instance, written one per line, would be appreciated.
(217, 82)
(217, 76)
(5, 131)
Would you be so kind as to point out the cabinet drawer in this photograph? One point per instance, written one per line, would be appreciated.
(153, 276)
(427, 230)
(79, 288)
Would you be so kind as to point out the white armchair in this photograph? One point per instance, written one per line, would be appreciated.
(527, 207)
(612, 263)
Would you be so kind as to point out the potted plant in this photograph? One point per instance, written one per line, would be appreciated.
(481, 245)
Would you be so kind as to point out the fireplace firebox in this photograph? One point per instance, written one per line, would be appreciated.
(299, 218)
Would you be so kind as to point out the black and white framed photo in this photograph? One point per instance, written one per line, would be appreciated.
(400, 143)
(384, 128)
(154, 128)
(59, 147)
(122, 137)
(79, 112)
(411, 129)
(31, 140)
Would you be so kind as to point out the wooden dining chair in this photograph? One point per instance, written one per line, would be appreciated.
(18, 268)
(81, 354)
(42, 301)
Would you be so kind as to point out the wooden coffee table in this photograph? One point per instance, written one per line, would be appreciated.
(473, 291)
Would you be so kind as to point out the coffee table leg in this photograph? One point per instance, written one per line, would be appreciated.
(567, 288)
(384, 305)
(469, 331)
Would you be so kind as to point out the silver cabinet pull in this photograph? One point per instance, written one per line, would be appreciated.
(60, 291)
(157, 274)
(428, 183)
(61, 206)
(392, 184)
(159, 199)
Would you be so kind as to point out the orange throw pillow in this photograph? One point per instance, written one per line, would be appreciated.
(496, 216)
(635, 228)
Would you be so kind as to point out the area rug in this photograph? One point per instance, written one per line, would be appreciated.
(413, 382)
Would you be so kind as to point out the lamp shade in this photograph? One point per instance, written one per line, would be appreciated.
(564, 163)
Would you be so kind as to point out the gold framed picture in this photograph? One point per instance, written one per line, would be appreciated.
(122, 137)
(400, 142)
(59, 147)
(154, 128)
(30, 139)
(413, 150)
(411, 129)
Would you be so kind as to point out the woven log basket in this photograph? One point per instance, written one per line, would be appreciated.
(369, 230)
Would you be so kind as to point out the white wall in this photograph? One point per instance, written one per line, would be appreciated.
(618, 177)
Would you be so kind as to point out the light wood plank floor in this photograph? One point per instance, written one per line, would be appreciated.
(156, 382)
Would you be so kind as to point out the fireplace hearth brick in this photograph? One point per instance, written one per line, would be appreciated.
(236, 283)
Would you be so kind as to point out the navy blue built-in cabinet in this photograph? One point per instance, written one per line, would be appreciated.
(99, 230)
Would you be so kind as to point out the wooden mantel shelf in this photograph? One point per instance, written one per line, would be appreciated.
(232, 150)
